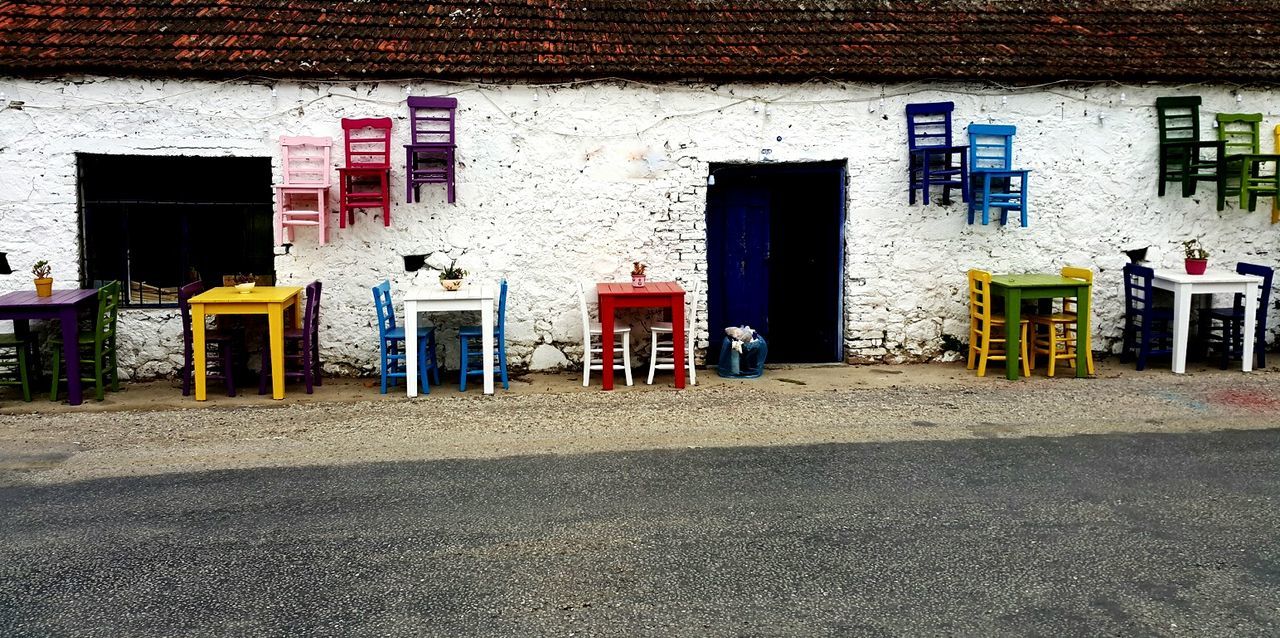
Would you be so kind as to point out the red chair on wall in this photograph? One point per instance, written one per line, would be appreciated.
(365, 181)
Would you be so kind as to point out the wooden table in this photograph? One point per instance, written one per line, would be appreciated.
(1184, 286)
(1016, 288)
(64, 305)
(271, 301)
(437, 299)
(655, 294)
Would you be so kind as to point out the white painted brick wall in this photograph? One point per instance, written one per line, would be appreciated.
(585, 180)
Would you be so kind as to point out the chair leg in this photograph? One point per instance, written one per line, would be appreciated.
(115, 368)
(984, 349)
(186, 374)
(385, 362)
(693, 368)
(227, 351)
(586, 359)
(57, 362)
(1026, 368)
(1053, 349)
(99, 382)
(653, 355)
(626, 355)
(264, 374)
(502, 364)
(1144, 345)
(435, 362)
(308, 373)
(423, 382)
(464, 357)
(23, 377)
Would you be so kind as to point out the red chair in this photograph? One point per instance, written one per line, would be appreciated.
(365, 181)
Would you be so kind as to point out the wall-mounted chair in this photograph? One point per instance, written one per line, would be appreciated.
(1248, 173)
(365, 180)
(932, 159)
(1184, 157)
(302, 198)
(995, 183)
(429, 159)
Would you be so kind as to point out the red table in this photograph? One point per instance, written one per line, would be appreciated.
(655, 294)
(64, 305)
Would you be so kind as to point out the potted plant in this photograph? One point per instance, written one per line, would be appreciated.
(44, 283)
(637, 274)
(245, 283)
(1197, 257)
(451, 277)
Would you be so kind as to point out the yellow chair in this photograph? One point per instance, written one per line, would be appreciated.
(1057, 340)
(981, 322)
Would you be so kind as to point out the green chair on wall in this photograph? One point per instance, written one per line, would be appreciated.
(1184, 157)
(1247, 173)
(13, 363)
(97, 347)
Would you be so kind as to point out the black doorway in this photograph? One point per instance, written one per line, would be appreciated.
(775, 256)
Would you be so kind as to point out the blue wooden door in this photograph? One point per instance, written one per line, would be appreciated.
(738, 258)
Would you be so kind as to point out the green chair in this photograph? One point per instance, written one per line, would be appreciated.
(1247, 173)
(1184, 157)
(13, 361)
(102, 341)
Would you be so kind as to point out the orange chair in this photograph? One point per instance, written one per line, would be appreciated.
(1058, 340)
(981, 322)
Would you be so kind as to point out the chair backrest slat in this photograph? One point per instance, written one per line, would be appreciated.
(929, 124)
(386, 310)
(1138, 287)
(305, 161)
(1240, 132)
(1179, 118)
(311, 316)
(108, 305)
(586, 316)
(432, 120)
(991, 147)
(367, 142)
(185, 294)
(1071, 272)
(980, 295)
(1264, 292)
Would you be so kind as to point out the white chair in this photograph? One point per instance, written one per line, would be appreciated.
(590, 330)
(658, 361)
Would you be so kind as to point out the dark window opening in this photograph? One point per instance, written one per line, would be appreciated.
(157, 222)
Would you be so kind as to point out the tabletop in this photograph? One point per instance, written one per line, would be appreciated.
(1209, 277)
(28, 298)
(651, 288)
(259, 294)
(437, 293)
(1035, 281)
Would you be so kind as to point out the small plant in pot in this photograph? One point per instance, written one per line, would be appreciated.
(451, 277)
(44, 283)
(637, 274)
(1197, 257)
(245, 283)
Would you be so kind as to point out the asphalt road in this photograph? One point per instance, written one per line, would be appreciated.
(1143, 534)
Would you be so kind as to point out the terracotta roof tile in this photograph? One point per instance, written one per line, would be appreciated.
(712, 39)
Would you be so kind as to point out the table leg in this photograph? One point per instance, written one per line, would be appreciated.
(411, 347)
(486, 343)
(71, 353)
(606, 342)
(1181, 325)
(1012, 332)
(275, 324)
(679, 360)
(198, 349)
(1082, 332)
(1250, 326)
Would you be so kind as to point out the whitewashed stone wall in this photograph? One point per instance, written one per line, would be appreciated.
(573, 183)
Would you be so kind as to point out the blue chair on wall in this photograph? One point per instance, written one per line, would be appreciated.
(992, 174)
(1147, 330)
(391, 343)
(932, 157)
(472, 353)
(1223, 328)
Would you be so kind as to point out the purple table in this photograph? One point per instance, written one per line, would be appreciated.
(23, 305)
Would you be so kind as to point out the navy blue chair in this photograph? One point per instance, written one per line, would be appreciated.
(1222, 329)
(391, 344)
(471, 352)
(932, 158)
(1148, 330)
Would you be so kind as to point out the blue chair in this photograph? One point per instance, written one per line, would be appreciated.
(992, 174)
(391, 340)
(469, 351)
(931, 155)
(1223, 328)
(1147, 330)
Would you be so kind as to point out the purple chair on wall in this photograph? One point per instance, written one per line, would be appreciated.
(301, 347)
(223, 342)
(429, 159)
(933, 160)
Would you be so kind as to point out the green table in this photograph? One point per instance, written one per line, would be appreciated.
(1016, 288)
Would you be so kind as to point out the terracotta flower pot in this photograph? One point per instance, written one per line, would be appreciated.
(1196, 266)
(44, 287)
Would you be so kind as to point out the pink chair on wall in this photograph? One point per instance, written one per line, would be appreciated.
(365, 182)
(303, 198)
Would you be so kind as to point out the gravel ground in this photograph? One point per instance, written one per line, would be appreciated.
(151, 429)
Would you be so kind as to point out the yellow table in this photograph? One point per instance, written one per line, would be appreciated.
(271, 301)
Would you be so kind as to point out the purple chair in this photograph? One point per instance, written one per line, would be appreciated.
(215, 340)
(429, 159)
(933, 159)
(301, 347)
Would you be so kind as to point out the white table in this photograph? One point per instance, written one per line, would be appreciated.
(437, 299)
(1184, 286)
